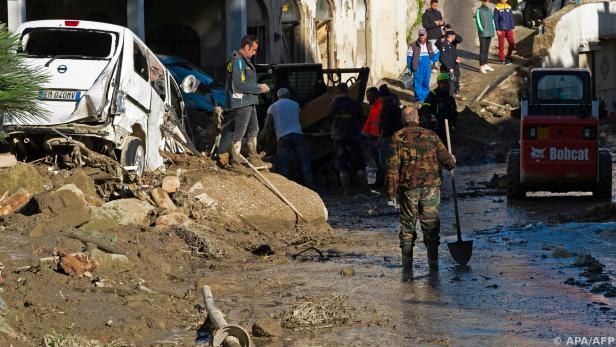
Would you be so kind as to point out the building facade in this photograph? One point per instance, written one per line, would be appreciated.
(336, 33)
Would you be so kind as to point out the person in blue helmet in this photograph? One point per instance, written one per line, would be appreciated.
(422, 54)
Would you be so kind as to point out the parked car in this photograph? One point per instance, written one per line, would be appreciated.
(213, 92)
(106, 89)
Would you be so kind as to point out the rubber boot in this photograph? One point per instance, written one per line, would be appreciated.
(253, 156)
(235, 163)
(407, 262)
(432, 249)
(345, 180)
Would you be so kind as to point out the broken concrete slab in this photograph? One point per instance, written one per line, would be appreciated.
(206, 200)
(21, 176)
(162, 199)
(171, 184)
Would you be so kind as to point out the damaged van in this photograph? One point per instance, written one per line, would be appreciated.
(105, 90)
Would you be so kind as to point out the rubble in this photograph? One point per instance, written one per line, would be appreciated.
(78, 265)
(126, 212)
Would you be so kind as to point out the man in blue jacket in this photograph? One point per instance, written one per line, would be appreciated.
(422, 54)
(242, 94)
(503, 20)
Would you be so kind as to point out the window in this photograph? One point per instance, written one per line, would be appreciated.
(140, 62)
(79, 43)
(157, 76)
(560, 87)
(175, 99)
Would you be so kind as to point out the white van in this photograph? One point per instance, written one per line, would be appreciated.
(105, 89)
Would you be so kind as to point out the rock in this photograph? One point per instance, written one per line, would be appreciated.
(153, 323)
(347, 271)
(162, 199)
(7, 160)
(266, 327)
(108, 261)
(126, 212)
(14, 203)
(73, 188)
(602, 287)
(101, 220)
(65, 207)
(206, 200)
(172, 219)
(81, 180)
(21, 176)
(171, 184)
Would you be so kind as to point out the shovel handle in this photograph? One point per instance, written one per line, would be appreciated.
(453, 184)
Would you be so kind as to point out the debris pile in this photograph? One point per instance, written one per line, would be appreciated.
(317, 312)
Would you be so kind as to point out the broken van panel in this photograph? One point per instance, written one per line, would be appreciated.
(105, 89)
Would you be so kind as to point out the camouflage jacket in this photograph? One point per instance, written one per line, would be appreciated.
(415, 159)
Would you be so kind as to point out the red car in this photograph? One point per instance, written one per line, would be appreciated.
(559, 145)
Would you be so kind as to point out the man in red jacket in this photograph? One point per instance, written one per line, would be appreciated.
(370, 131)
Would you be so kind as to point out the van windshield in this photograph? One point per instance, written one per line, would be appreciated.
(84, 44)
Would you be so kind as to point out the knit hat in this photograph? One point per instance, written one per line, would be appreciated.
(450, 32)
(443, 76)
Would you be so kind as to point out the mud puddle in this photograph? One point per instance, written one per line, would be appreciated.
(513, 292)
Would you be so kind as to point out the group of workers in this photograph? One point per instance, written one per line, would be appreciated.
(406, 144)
(437, 44)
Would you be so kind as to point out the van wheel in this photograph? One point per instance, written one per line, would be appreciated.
(515, 190)
(133, 154)
(604, 185)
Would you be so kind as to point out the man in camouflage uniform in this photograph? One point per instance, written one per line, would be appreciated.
(416, 158)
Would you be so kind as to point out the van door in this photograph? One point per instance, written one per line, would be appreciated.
(136, 74)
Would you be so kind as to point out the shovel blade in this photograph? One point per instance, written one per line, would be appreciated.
(461, 251)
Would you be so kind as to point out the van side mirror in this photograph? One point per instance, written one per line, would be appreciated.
(190, 84)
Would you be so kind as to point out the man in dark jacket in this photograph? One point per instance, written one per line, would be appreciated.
(242, 94)
(389, 123)
(413, 180)
(450, 61)
(440, 105)
(432, 21)
(347, 117)
(505, 25)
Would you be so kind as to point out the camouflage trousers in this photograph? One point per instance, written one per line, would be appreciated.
(423, 204)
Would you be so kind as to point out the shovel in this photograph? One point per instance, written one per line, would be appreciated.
(461, 251)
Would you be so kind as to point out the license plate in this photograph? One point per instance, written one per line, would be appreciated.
(62, 95)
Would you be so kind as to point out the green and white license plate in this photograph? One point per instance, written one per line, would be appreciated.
(61, 95)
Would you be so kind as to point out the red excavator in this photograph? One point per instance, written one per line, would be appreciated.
(559, 146)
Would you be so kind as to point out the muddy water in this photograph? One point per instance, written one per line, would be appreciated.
(511, 294)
